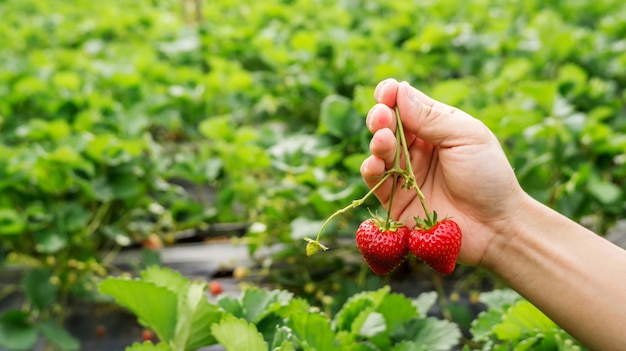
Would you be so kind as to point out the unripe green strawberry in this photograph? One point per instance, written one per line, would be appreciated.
(437, 245)
(382, 248)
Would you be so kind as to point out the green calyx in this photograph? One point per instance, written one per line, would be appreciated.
(428, 222)
(385, 224)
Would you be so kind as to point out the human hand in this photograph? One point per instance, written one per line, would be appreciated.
(458, 163)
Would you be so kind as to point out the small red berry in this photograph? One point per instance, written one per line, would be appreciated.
(152, 242)
(147, 335)
(215, 287)
(100, 331)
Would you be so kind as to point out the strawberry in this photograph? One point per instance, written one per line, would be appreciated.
(215, 287)
(383, 246)
(437, 244)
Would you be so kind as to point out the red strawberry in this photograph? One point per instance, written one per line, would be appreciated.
(437, 245)
(215, 287)
(382, 248)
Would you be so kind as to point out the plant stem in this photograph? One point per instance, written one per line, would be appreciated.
(396, 174)
(355, 203)
(410, 176)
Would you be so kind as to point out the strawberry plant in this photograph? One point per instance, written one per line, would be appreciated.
(258, 319)
(261, 319)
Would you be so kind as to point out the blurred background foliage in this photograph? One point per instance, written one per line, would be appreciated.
(124, 119)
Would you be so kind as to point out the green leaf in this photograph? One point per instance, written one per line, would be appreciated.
(72, 217)
(424, 302)
(49, 241)
(148, 346)
(350, 311)
(195, 317)
(58, 336)
(408, 345)
(499, 299)
(38, 288)
(604, 191)
(313, 331)
(338, 118)
(543, 93)
(397, 309)
(527, 343)
(257, 303)
(218, 128)
(11, 223)
(231, 305)
(167, 278)
(236, 334)
(295, 306)
(522, 318)
(16, 333)
(282, 339)
(285, 346)
(482, 326)
(433, 334)
(141, 297)
(373, 324)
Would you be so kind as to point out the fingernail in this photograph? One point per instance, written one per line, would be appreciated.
(380, 89)
(365, 165)
(368, 119)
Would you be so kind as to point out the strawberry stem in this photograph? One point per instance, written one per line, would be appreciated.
(410, 176)
(397, 170)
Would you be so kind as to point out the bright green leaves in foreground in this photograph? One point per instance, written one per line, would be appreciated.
(260, 320)
(512, 323)
(174, 307)
(274, 320)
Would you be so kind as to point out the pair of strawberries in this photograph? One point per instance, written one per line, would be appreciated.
(386, 244)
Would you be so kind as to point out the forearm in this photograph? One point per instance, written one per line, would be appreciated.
(575, 276)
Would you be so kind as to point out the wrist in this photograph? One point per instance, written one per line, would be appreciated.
(508, 235)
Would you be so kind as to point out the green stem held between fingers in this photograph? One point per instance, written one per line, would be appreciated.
(410, 177)
(396, 166)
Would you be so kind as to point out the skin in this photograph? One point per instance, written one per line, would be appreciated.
(573, 275)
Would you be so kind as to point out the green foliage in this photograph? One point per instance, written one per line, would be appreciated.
(184, 314)
(262, 319)
(18, 332)
(258, 319)
(512, 323)
(144, 121)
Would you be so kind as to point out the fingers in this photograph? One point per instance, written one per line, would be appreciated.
(383, 146)
(372, 170)
(381, 116)
(385, 92)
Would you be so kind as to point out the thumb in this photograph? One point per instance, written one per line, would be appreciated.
(437, 123)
